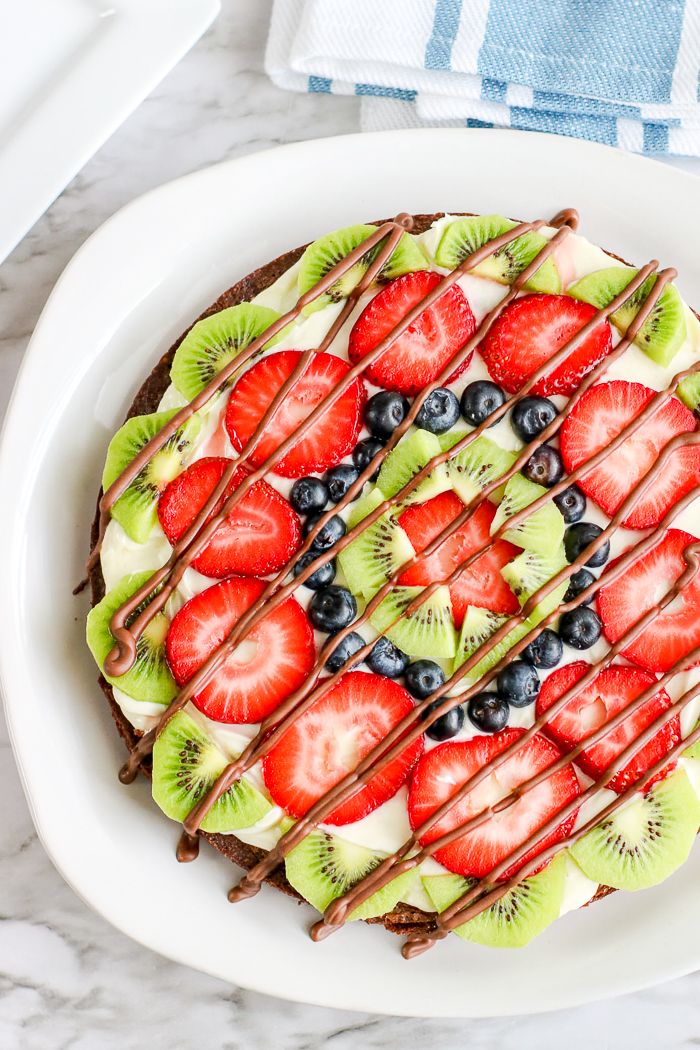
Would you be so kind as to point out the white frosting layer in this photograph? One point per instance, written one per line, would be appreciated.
(387, 827)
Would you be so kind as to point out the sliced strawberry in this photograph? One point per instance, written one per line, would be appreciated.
(418, 356)
(481, 584)
(447, 767)
(258, 537)
(614, 689)
(599, 416)
(268, 666)
(330, 438)
(331, 737)
(624, 601)
(533, 329)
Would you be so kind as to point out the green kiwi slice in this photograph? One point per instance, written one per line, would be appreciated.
(464, 236)
(324, 866)
(150, 678)
(477, 466)
(517, 918)
(528, 572)
(643, 842)
(214, 341)
(322, 255)
(478, 626)
(663, 332)
(369, 502)
(186, 762)
(689, 391)
(371, 559)
(543, 531)
(136, 510)
(450, 438)
(429, 631)
(406, 460)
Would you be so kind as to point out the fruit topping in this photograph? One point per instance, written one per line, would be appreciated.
(328, 535)
(136, 509)
(309, 495)
(258, 537)
(447, 725)
(676, 630)
(363, 454)
(545, 651)
(477, 466)
(323, 575)
(489, 712)
(478, 627)
(442, 771)
(541, 531)
(339, 480)
(419, 354)
(439, 412)
(465, 235)
(531, 415)
(600, 415)
(580, 628)
(580, 536)
(409, 457)
(344, 651)
(544, 467)
(270, 664)
(610, 692)
(518, 683)
(427, 631)
(329, 740)
(332, 608)
(387, 659)
(578, 583)
(423, 677)
(326, 442)
(572, 504)
(384, 412)
(533, 329)
(480, 400)
(375, 555)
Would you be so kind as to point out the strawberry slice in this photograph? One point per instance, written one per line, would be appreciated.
(269, 665)
(330, 438)
(624, 601)
(258, 537)
(418, 356)
(614, 689)
(531, 330)
(481, 584)
(443, 770)
(331, 737)
(599, 416)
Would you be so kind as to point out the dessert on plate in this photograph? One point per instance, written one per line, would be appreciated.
(395, 577)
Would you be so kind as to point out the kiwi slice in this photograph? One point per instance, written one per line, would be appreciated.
(689, 391)
(429, 631)
(136, 510)
(518, 917)
(543, 531)
(663, 332)
(149, 678)
(646, 840)
(528, 572)
(369, 502)
(463, 236)
(477, 466)
(322, 255)
(214, 341)
(478, 626)
(407, 459)
(186, 762)
(450, 438)
(323, 867)
(375, 555)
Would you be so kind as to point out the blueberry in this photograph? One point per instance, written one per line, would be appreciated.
(572, 504)
(387, 659)
(579, 536)
(383, 413)
(488, 711)
(332, 531)
(531, 415)
(577, 583)
(423, 677)
(480, 400)
(339, 479)
(447, 725)
(351, 644)
(332, 608)
(324, 574)
(580, 628)
(518, 683)
(544, 651)
(308, 495)
(439, 411)
(545, 466)
(364, 453)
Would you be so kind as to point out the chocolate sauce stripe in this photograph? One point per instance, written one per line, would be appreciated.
(296, 708)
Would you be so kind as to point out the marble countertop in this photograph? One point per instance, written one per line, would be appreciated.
(68, 980)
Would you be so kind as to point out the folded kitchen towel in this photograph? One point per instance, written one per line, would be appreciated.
(621, 72)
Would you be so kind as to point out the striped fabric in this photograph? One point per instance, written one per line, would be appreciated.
(622, 72)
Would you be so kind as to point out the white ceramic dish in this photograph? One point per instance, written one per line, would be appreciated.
(70, 72)
(128, 292)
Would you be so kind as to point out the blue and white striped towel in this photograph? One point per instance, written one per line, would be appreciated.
(622, 72)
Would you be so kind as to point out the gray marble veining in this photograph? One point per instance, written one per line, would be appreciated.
(68, 980)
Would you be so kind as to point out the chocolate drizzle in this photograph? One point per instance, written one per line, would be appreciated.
(121, 658)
